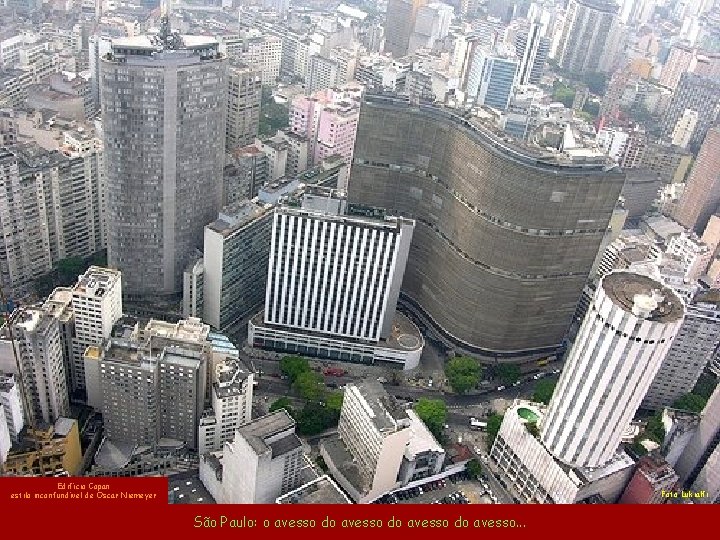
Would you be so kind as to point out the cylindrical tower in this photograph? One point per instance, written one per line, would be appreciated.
(621, 344)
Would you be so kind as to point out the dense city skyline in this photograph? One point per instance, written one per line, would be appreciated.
(462, 252)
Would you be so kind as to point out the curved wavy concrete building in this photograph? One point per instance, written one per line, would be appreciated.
(505, 235)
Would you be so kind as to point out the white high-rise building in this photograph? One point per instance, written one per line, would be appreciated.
(334, 280)
(263, 462)
(618, 351)
(532, 48)
(11, 407)
(587, 33)
(231, 405)
(334, 273)
(97, 305)
(373, 435)
(37, 342)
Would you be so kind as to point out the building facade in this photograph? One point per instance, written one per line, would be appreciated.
(237, 247)
(701, 197)
(588, 28)
(164, 101)
(243, 108)
(498, 271)
(97, 306)
(618, 351)
(699, 94)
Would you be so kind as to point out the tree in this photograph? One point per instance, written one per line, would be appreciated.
(282, 403)
(508, 373)
(705, 385)
(655, 429)
(543, 391)
(564, 94)
(309, 385)
(434, 413)
(310, 419)
(533, 429)
(334, 401)
(273, 115)
(292, 366)
(690, 402)
(493, 426)
(463, 373)
(473, 468)
(592, 108)
(596, 82)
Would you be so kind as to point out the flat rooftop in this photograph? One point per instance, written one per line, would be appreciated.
(322, 490)
(266, 433)
(186, 488)
(234, 217)
(387, 412)
(638, 293)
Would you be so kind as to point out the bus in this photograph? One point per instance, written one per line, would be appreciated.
(477, 424)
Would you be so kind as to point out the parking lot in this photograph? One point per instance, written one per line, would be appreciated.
(457, 489)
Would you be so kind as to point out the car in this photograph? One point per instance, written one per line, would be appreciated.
(516, 383)
(557, 371)
(500, 388)
(538, 376)
(420, 491)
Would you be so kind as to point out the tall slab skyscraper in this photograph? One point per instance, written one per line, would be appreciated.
(164, 100)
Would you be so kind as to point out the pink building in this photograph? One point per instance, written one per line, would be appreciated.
(336, 132)
(328, 119)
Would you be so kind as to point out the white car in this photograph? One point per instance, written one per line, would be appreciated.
(500, 388)
(538, 376)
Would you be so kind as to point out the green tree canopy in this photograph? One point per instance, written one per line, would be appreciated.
(564, 94)
(705, 385)
(493, 427)
(654, 429)
(463, 373)
(309, 385)
(282, 403)
(310, 419)
(273, 115)
(474, 468)
(544, 390)
(292, 366)
(690, 402)
(434, 413)
(334, 401)
(596, 82)
(508, 373)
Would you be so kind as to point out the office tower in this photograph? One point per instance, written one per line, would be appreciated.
(699, 94)
(276, 149)
(708, 65)
(618, 351)
(699, 464)
(694, 347)
(164, 130)
(702, 190)
(498, 266)
(11, 405)
(432, 24)
(330, 70)
(246, 171)
(681, 59)
(152, 384)
(193, 284)
(640, 192)
(399, 24)
(231, 396)
(693, 255)
(684, 128)
(492, 78)
(262, 462)
(37, 345)
(670, 162)
(237, 246)
(586, 33)
(243, 108)
(97, 306)
(98, 46)
(372, 436)
(59, 306)
(298, 152)
(532, 48)
(652, 477)
(333, 283)
(261, 52)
